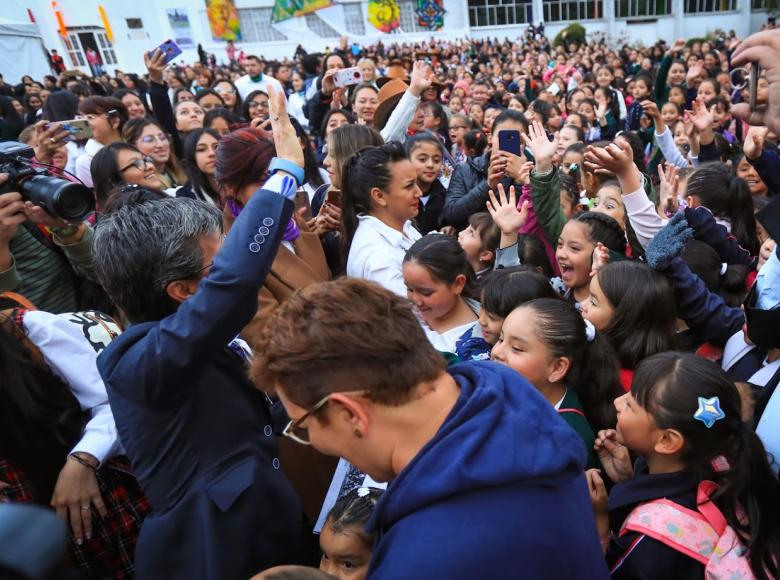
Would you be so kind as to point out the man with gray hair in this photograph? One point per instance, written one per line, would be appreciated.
(199, 435)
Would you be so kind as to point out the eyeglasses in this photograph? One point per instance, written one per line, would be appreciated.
(149, 139)
(139, 164)
(258, 104)
(225, 91)
(294, 429)
(186, 98)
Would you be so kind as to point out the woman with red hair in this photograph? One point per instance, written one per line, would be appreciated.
(243, 157)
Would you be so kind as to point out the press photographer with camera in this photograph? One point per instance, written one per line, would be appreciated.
(44, 242)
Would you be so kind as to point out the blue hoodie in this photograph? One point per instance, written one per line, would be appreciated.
(499, 492)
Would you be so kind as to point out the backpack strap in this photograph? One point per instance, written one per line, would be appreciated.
(571, 410)
(678, 527)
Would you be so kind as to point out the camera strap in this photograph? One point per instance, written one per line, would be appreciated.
(37, 232)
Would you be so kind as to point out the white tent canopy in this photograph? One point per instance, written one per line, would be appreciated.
(21, 51)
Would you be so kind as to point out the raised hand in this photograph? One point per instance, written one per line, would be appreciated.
(762, 48)
(667, 190)
(701, 116)
(669, 242)
(285, 140)
(613, 455)
(328, 84)
(542, 148)
(503, 210)
(678, 46)
(49, 138)
(651, 110)
(754, 142)
(155, 64)
(600, 258)
(616, 158)
(421, 79)
(693, 78)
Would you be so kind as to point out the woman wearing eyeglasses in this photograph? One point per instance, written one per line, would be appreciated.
(150, 139)
(255, 106)
(121, 164)
(229, 93)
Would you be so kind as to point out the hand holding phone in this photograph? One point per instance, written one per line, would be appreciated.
(77, 129)
(347, 77)
(168, 48)
(509, 141)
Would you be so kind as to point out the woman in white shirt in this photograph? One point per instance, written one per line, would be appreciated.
(379, 198)
(443, 288)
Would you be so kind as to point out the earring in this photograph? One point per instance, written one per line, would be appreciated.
(358, 433)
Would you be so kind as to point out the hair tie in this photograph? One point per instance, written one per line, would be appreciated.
(590, 330)
(723, 267)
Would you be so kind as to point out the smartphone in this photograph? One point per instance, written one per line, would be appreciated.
(302, 201)
(554, 89)
(509, 141)
(78, 129)
(169, 48)
(348, 76)
(755, 72)
(334, 197)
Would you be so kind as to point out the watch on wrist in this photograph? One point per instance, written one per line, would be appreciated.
(278, 164)
(65, 231)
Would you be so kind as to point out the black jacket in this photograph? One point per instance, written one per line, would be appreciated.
(649, 558)
(468, 192)
(429, 217)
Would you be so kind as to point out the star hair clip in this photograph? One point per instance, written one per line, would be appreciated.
(709, 411)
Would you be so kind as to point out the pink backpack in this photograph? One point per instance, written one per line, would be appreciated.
(704, 535)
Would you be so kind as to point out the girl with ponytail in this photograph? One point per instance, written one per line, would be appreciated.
(571, 365)
(728, 197)
(683, 419)
(379, 198)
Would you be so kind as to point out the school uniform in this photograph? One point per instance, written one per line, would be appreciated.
(570, 410)
(634, 556)
(431, 206)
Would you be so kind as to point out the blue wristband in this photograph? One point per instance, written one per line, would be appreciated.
(278, 164)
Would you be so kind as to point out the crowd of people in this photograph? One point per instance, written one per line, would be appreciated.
(533, 288)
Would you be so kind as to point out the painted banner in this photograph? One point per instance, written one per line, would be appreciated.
(286, 9)
(223, 20)
(430, 14)
(384, 15)
(180, 25)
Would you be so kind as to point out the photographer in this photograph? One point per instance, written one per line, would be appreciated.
(42, 255)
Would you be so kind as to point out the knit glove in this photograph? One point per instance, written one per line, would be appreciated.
(668, 243)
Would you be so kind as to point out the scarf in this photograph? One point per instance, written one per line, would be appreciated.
(291, 231)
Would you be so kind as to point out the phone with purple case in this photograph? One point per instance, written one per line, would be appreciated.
(169, 48)
(509, 141)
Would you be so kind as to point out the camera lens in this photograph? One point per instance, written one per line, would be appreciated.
(59, 197)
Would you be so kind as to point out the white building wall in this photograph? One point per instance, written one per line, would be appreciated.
(130, 45)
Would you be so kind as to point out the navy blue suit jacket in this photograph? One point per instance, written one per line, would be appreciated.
(199, 435)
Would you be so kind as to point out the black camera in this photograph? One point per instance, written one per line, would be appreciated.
(59, 197)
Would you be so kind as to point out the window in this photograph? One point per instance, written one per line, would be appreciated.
(704, 6)
(499, 12)
(134, 23)
(74, 50)
(409, 20)
(642, 8)
(353, 18)
(107, 51)
(256, 26)
(320, 27)
(571, 10)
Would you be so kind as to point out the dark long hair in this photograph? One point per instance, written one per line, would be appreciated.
(726, 196)
(669, 386)
(60, 106)
(704, 261)
(444, 260)
(106, 174)
(603, 228)
(366, 169)
(198, 181)
(311, 169)
(643, 319)
(505, 289)
(40, 419)
(10, 117)
(594, 366)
